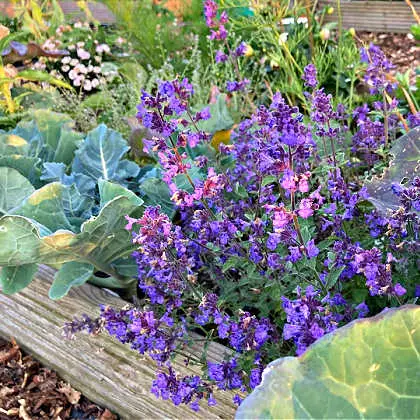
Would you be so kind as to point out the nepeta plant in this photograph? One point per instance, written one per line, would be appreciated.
(270, 244)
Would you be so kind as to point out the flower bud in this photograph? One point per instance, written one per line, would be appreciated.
(352, 32)
(330, 10)
(325, 34)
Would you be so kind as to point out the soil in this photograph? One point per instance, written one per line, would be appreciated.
(402, 49)
(30, 391)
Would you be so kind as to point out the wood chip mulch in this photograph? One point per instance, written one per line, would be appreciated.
(401, 49)
(30, 391)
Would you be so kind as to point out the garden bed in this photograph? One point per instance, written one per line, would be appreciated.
(30, 391)
(103, 369)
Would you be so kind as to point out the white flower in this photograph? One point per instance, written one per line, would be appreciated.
(288, 21)
(303, 20)
(72, 74)
(87, 85)
(98, 59)
(283, 38)
(71, 47)
(65, 68)
(74, 62)
(95, 83)
(81, 68)
(66, 60)
(96, 69)
(80, 44)
(84, 55)
(78, 25)
(78, 81)
(120, 40)
(90, 68)
(103, 48)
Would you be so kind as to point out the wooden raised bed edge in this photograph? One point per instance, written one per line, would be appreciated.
(104, 370)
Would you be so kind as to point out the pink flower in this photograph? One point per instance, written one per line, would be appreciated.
(305, 208)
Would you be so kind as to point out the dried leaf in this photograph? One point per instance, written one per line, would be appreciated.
(71, 394)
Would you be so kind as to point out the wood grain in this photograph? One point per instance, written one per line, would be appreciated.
(373, 16)
(103, 369)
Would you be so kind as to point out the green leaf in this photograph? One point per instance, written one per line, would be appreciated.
(99, 100)
(231, 263)
(19, 239)
(404, 165)
(182, 181)
(40, 76)
(367, 369)
(415, 30)
(12, 144)
(71, 274)
(14, 279)
(14, 188)
(100, 157)
(332, 277)
(156, 193)
(25, 165)
(270, 179)
(109, 190)
(58, 135)
(135, 73)
(46, 207)
(220, 117)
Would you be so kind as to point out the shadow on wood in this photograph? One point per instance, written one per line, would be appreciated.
(103, 369)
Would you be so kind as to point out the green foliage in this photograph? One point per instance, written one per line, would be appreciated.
(404, 165)
(63, 201)
(363, 370)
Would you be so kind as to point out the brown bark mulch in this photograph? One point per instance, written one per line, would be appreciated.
(30, 391)
(401, 49)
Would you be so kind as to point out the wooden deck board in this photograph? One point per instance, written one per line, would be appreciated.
(103, 369)
(372, 15)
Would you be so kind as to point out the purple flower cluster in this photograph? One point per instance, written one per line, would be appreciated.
(370, 134)
(309, 317)
(217, 24)
(269, 213)
(378, 275)
(186, 390)
(378, 68)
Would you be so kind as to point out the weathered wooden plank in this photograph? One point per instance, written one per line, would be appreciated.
(70, 8)
(106, 371)
(375, 16)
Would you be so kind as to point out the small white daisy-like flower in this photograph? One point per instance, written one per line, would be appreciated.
(66, 60)
(65, 68)
(83, 54)
(72, 75)
(74, 62)
(87, 85)
(103, 48)
(95, 83)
